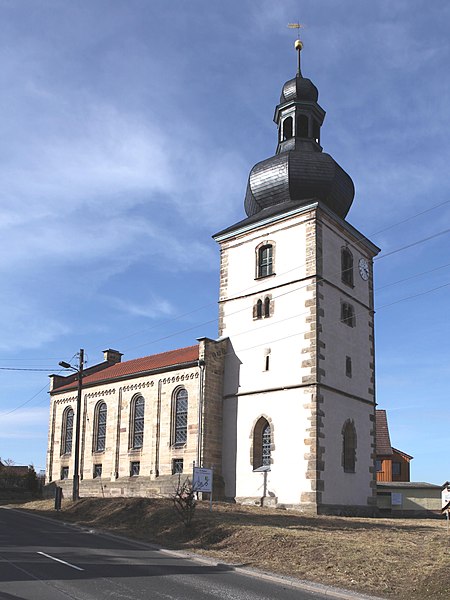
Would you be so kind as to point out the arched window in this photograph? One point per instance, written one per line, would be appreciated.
(180, 417)
(137, 423)
(265, 260)
(346, 266)
(287, 128)
(316, 131)
(302, 126)
(349, 446)
(348, 314)
(262, 444)
(267, 306)
(101, 413)
(67, 431)
(259, 309)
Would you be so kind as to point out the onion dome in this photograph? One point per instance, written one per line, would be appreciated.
(299, 172)
(299, 88)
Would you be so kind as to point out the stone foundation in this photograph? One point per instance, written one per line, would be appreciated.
(128, 487)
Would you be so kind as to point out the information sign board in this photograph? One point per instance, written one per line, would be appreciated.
(202, 479)
(396, 499)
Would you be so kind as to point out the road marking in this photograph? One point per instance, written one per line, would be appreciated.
(61, 561)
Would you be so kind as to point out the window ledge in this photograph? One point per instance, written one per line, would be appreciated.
(264, 276)
(179, 446)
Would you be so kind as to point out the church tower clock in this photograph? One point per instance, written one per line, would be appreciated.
(296, 302)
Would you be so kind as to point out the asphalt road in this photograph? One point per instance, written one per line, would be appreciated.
(42, 559)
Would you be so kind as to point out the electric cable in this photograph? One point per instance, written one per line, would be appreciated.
(360, 241)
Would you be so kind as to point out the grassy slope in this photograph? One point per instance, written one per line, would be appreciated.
(392, 558)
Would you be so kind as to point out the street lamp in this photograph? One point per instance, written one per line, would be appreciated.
(76, 462)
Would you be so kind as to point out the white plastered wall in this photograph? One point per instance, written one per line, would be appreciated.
(252, 391)
(342, 488)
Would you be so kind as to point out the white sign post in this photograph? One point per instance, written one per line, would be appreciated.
(202, 481)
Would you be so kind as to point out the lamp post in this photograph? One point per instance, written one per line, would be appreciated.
(76, 462)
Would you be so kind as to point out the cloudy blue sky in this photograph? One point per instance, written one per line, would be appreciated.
(127, 131)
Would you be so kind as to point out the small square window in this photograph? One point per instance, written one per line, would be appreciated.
(97, 471)
(177, 466)
(135, 467)
(65, 473)
(378, 466)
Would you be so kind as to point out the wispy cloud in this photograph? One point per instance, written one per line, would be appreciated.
(24, 423)
(154, 308)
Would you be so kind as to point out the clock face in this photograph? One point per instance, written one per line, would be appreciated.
(363, 269)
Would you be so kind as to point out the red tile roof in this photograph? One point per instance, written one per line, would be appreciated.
(383, 441)
(138, 365)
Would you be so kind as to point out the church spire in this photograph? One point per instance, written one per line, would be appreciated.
(299, 172)
(298, 45)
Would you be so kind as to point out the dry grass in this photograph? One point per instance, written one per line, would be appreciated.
(391, 558)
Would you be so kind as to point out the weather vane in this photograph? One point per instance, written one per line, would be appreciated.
(298, 43)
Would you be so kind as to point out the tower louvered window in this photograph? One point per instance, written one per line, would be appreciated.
(347, 266)
(180, 417)
(348, 314)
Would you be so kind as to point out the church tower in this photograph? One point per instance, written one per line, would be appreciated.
(296, 302)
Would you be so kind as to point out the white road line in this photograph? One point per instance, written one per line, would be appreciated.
(61, 561)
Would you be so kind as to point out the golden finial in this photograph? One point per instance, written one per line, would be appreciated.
(298, 44)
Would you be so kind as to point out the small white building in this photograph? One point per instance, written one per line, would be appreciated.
(288, 386)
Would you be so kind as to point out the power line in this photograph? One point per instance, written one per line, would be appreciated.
(412, 277)
(4, 414)
(360, 241)
(357, 313)
(179, 332)
(23, 369)
(417, 242)
(265, 342)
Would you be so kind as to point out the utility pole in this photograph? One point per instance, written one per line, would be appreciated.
(76, 462)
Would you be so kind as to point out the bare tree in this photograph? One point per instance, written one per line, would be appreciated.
(184, 500)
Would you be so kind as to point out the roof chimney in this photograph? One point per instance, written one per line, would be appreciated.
(112, 356)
